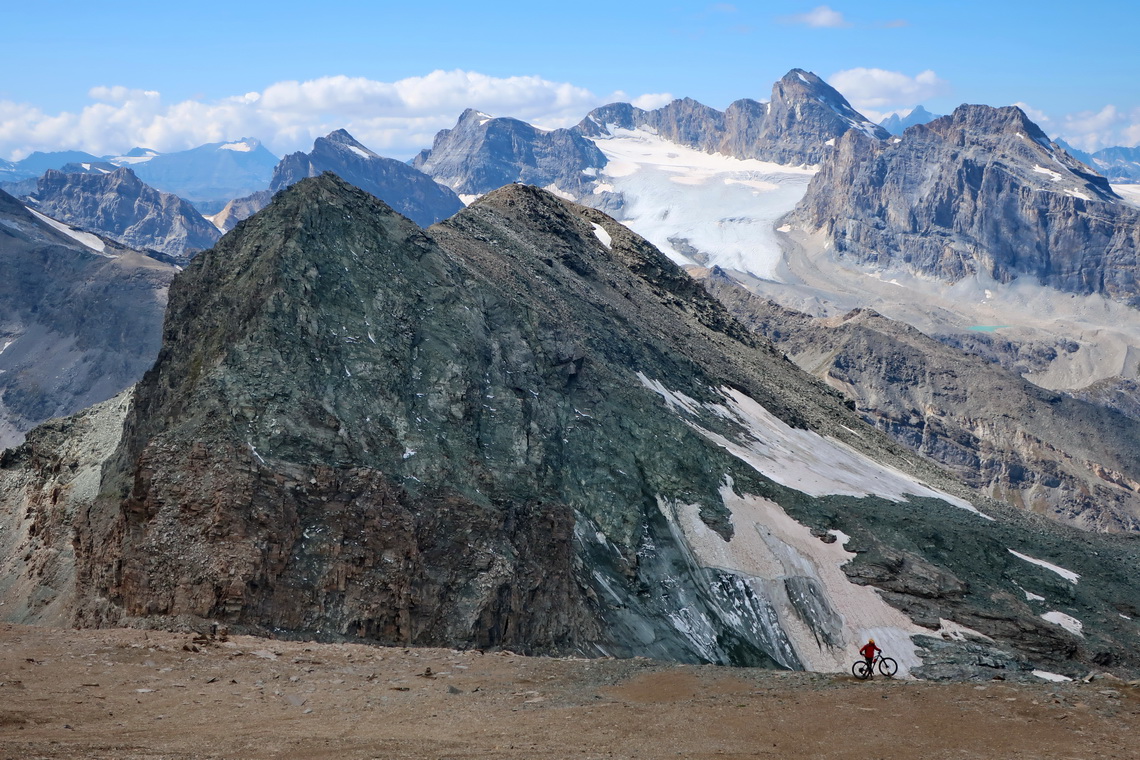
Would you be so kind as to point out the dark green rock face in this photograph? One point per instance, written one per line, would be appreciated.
(482, 434)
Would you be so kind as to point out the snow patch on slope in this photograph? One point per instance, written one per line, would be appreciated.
(603, 236)
(778, 557)
(800, 459)
(1068, 622)
(85, 238)
(1068, 575)
(240, 146)
(700, 208)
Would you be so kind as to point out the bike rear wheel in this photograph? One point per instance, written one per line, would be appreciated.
(888, 667)
(860, 670)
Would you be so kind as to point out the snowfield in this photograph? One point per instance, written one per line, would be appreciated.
(769, 547)
(85, 238)
(1130, 194)
(700, 208)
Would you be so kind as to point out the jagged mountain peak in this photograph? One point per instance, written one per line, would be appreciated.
(1011, 136)
(981, 191)
(342, 139)
(796, 95)
(121, 206)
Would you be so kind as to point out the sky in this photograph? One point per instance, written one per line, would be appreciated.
(106, 77)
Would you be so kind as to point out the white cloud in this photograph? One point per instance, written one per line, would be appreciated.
(652, 100)
(394, 118)
(819, 18)
(1090, 130)
(877, 91)
(1093, 130)
(1038, 117)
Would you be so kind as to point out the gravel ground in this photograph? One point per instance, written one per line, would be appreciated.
(129, 694)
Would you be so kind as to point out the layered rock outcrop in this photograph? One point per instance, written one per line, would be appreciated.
(122, 207)
(979, 192)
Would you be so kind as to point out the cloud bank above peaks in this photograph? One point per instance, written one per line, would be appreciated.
(394, 118)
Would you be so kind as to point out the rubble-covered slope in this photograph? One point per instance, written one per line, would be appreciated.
(80, 318)
(44, 483)
(525, 427)
(1045, 451)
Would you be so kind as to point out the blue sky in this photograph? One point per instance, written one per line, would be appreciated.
(107, 76)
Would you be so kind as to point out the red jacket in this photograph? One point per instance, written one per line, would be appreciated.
(869, 650)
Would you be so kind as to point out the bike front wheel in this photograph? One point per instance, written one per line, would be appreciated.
(888, 667)
(860, 670)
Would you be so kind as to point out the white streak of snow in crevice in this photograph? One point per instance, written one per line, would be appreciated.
(1068, 575)
(85, 238)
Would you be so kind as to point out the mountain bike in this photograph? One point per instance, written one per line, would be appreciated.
(886, 665)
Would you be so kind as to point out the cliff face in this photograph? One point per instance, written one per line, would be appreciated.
(979, 191)
(525, 427)
(123, 208)
(481, 153)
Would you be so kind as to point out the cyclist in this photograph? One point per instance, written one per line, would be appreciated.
(869, 650)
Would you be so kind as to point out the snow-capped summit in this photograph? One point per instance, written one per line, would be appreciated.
(208, 176)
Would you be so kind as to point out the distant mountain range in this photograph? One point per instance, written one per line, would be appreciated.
(207, 176)
(896, 124)
(406, 189)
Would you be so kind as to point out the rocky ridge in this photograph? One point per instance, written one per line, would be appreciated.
(122, 207)
(408, 190)
(797, 126)
(979, 192)
(526, 428)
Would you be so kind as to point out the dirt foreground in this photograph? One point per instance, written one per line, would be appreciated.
(128, 694)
